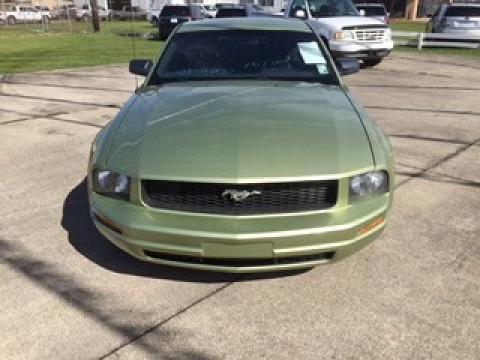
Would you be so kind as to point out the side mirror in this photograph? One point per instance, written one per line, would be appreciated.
(301, 14)
(140, 67)
(362, 12)
(347, 66)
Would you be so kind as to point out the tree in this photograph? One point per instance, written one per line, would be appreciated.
(411, 9)
(95, 17)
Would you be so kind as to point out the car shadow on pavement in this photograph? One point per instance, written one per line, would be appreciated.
(86, 239)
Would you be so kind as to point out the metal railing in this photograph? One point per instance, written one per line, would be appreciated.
(421, 40)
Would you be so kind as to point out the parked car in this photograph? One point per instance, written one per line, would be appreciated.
(376, 11)
(85, 13)
(129, 12)
(64, 12)
(344, 31)
(153, 15)
(211, 9)
(240, 11)
(456, 18)
(219, 5)
(173, 15)
(23, 14)
(242, 152)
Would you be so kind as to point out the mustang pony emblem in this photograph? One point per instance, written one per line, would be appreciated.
(239, 195)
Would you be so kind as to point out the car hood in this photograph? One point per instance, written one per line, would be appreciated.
(338, 22)
(240, 133)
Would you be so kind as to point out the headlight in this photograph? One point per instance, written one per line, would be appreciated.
(111, 184)
(344, 35)
(375, 182)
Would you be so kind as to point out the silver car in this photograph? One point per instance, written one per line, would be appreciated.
(456, 18)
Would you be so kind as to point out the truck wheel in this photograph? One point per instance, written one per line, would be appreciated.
(11, 20)
(371, 62)
(84, 18)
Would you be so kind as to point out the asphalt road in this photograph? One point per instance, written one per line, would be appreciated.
(66, 293)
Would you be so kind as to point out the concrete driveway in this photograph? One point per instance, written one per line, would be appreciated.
(66, 293)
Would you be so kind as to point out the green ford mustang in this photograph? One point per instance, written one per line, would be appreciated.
(242, 152)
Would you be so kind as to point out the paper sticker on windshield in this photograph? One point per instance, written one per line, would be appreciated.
(322, 69)
(311, 53)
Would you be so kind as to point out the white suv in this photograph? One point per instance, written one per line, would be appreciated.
(345, 32)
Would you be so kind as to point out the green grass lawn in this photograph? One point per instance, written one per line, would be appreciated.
(407, 25)
(25, 48)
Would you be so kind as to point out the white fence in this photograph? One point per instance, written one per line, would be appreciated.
(421, 40)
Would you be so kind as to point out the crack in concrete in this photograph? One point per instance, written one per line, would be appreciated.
(171, 317)
(426, 138)
(418, 87)
(454, 112)
(16, 82)
(431, 61)
(438, 163)
(30, 97)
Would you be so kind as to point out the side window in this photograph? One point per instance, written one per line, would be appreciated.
(297, 5)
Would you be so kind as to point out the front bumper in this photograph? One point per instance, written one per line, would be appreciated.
(360, 50)
(240, 243)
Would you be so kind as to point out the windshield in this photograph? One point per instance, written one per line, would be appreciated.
(231, 12)
(463, 11)
(175, 11)
(244, 54)
(327, 8)
(372, 10)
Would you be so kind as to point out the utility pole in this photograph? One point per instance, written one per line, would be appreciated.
(95, 18)
(411, 9)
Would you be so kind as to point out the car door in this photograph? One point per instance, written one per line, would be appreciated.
(34, 15)
(22, 14)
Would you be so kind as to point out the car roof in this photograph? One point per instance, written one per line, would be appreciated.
(463, 4)
(249, 23)
(369, 4)
(233, 7)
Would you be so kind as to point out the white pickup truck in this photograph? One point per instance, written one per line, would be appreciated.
(14, 14)
(85, 13)
(343, 29)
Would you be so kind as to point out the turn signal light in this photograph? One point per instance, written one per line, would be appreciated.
(370, 226)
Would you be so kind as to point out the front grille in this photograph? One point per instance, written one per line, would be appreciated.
(215, 198)
(245, 262)
(370, 35)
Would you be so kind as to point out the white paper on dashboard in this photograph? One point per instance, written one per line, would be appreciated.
(311, 53)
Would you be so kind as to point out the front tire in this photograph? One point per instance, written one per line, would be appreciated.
(11, 20)
(372, 62)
